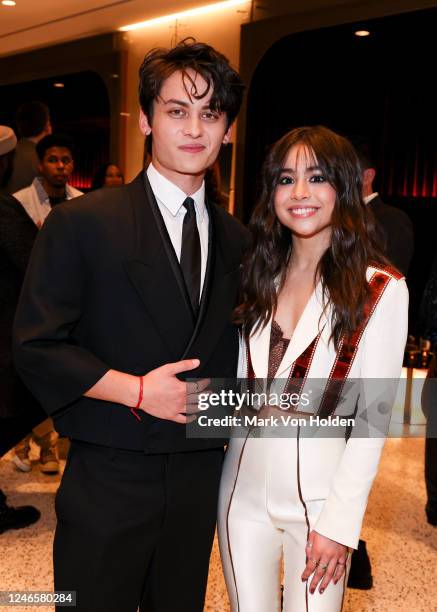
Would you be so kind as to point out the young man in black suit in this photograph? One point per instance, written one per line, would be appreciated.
(129, 291)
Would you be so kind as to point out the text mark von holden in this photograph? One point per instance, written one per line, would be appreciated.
(274, 421)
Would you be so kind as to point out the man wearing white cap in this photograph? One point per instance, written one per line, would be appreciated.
(17, 233)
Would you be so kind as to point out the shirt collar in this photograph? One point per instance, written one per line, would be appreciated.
(42, 194)
(40, 191)
(171, 196)
(370, 197)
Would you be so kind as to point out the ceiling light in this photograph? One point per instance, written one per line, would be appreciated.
(58, 85)
(362, 33)
(9, 2)
(200, 10)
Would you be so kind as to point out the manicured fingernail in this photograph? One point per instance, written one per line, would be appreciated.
(321, 591)
(312, 591)
(303, 579)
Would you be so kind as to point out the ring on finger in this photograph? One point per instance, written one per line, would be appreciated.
(314, 560)
(196, 388)
(338, 569)
(323, 567)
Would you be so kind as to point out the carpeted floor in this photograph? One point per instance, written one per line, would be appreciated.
(402, 546)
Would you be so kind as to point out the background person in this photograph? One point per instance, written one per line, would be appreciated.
(108, 175)
(393, 224)
(427, 327)
(55, 154)
(18, 409)
(50, 187)
(429, 407)
(397, 243)
(33, 124)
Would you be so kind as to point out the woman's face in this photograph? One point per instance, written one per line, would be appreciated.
(304, 200)
(113, 177)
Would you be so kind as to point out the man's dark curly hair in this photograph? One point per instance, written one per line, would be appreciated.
(225, 82)
(53, 140)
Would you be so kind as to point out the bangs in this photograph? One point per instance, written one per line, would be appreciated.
(316, 153)
(306, 153)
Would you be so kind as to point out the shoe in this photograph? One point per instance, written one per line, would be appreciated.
(360, 575)
(21, 460)
(48, 461)
(16, 518)
(431, 515)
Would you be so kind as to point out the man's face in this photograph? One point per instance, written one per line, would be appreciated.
(187, 135)
(57, 166)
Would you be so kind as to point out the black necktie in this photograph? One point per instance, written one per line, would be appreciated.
(190, 254)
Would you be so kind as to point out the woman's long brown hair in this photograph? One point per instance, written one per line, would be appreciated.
(342, 268)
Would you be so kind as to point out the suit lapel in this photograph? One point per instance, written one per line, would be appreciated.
(219, 293)
(306, 330)
(167, 244)
(154, 271)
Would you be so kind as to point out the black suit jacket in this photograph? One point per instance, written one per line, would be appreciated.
(396, 231)
(17, 235)
(19, 411)
(104, 290)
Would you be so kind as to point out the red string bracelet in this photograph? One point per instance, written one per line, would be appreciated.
(140, 399)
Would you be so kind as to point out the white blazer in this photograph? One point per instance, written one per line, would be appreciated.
(332, 469)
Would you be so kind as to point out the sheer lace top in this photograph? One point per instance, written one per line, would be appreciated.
(278, 346)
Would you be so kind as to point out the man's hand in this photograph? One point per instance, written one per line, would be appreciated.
(326, 559)
(167, 397)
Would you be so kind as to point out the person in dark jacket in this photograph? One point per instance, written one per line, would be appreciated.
(33, 123)
(394, 225)
(128, 291)
(427, 321)
(429, 406)
(397, 237)
(427, 328)
(19, 412)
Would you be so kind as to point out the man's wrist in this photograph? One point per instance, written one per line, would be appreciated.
(133, 389)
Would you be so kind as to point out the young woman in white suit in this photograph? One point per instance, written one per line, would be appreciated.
(319, 302)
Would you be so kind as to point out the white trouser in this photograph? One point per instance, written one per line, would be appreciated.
(262, 519)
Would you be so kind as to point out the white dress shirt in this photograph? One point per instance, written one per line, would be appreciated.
(170, 199)
(370, 197)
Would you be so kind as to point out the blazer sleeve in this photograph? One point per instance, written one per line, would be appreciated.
(52, 365)
(383, 349)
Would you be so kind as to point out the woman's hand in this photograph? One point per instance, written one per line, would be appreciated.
(326, 559)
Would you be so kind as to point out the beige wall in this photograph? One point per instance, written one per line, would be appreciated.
(221, 29)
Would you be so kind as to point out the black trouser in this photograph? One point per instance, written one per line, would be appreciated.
(135, 527)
